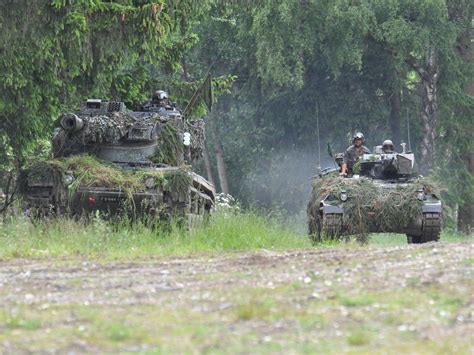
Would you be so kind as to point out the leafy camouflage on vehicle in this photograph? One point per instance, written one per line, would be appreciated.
(385, 198)
(115, 161)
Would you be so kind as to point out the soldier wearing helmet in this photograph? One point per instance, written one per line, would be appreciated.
(160, 99)
(388, 147)
(353, 153)
(160, 103)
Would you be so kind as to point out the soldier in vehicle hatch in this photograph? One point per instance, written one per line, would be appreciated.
(160, 103)
(353, 153)
(388, 147)
(160, 98)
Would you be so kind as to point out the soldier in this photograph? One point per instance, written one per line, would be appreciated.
(387, 147)
(353, 153)
(160, 103)
(160, 99)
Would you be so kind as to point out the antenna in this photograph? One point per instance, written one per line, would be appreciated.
(317, 131)
(408, 129)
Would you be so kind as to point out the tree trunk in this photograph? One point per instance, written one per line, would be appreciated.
(221, 173)
(395, 108)
(466, 206)
(9, 193)
(429, 73)
(429, 116)
(221, 167)
(207, 164)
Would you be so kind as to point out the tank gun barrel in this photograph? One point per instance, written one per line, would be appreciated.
(71, 122)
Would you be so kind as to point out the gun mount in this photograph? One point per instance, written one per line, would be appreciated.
(387, 166)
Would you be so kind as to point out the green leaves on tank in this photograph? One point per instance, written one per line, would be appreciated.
(91, 172)
(170, 146)
(393, 206)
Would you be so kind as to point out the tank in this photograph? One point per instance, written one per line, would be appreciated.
(109, 160)
(384, 195)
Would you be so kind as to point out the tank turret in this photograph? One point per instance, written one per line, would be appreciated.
(106, 130)
(386, 166)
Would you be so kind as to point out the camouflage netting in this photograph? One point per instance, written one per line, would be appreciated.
(178, 182)
(91, 172)
(105, 129)
(170, 147)
(393, 208)
(198, 138)
(36, 172)
(97, 129)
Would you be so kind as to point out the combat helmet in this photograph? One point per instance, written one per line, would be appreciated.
(388, 145)
(160, 95)
(358, 135)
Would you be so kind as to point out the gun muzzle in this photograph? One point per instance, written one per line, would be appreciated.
(70, 122)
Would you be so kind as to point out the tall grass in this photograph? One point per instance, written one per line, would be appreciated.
(19, 237)
(58, 238)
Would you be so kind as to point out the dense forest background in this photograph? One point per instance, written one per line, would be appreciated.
(289, 77)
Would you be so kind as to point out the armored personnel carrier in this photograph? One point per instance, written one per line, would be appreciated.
(111, 160)
(382, 196)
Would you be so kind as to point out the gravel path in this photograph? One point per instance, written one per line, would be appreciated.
(216, 285)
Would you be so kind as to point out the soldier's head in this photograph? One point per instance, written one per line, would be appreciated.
(358, 139)
(160, 98)
(387, 146)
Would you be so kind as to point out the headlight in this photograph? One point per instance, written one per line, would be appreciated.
(421, 195)
(68, 179)
(187, 139)
(343, 196)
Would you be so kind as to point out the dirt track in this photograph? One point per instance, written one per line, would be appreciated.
(426, 291)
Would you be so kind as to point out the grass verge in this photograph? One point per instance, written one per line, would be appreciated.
(58, 238)
(64, 238)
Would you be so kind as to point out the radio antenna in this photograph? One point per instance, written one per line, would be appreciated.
(408, 131)
(317, 131)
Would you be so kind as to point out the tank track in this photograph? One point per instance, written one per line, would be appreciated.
(431, 227)
(332, 225)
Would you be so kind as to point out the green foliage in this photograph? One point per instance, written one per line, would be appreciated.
(21, 323)
(356, 167)
(342, 61)
(178, 181)
(107, 240)
(55, 53)
(91, 172)
(170, 146)
(280, 66)
(99, 239)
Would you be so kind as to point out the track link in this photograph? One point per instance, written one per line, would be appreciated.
(431, 227)
(332, 225)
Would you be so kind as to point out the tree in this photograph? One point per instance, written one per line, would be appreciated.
(459, 93)
(55, 53)
(363, 63)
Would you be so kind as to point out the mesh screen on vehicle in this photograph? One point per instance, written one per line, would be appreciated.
(115, 106)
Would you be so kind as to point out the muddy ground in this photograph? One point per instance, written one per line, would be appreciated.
(363, 299)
